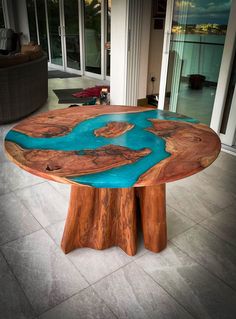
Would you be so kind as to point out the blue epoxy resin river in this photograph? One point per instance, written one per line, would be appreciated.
(82, 137)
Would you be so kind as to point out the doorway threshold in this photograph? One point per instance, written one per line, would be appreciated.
(229, 149)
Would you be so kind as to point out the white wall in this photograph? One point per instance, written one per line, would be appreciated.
(16, 18)
(21, 18)
(144, 50)
(155, 58)
(223, 83)
(119, 38)
(9, 14)
(130, 34)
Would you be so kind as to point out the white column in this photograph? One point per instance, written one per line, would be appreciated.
(138, 50)
(9, 18)
(130, 35)
(225, 71)
(119, 42)
(144, 49)
(21, 20)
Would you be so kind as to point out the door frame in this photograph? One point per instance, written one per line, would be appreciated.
(64, 66)
(229, 138)
(165, 53)
(98, 76)
(6, 6)
(223, 80)
(63, 38)
(223, 83)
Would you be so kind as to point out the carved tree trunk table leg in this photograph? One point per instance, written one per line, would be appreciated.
(100, 218)
(103, 217)
(153, 215)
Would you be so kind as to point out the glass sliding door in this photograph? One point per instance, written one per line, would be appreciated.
(55, 31)
(72, 34)
(42, 29)
(229, 98)
(37, 22)
(108, 36)
(32, 20)
(92, 35)
(2, 23)
(228, 124)
(196, 43)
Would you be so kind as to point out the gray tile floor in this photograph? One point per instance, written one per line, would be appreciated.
(196, 103)
(195, 277)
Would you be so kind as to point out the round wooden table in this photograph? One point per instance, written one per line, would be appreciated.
(117, 159)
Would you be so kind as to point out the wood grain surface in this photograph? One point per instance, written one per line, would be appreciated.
(152, 201)
(192, 146)
(73, 163)
(102, 218)
(61, 122)
(139, 147)
(113, 129)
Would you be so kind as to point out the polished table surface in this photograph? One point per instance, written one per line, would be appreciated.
(114, 154)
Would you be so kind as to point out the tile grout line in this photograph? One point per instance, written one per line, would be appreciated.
(170, 238)
(92, 284)
(42, 228)
(196, 222)
(21, 288)
(51, 184)
(36, 220)
(210, 231)
(58, 247)
(7, 193)
(96, 282)
(28, 186)
(213, 274)
(206, 229)
(70, 261)
(110, 308)
(132, 261)
(128, 263)
(49, 309)
(200, 224)
(27, 209)
(169, 294)
(22, 202)
(22, 237)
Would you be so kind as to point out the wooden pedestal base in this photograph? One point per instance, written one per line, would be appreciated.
(103, 217)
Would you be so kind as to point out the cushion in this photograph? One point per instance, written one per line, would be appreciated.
(6, 36)
(33, 51)
(10, 60)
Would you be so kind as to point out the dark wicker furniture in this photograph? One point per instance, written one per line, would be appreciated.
(23, 89)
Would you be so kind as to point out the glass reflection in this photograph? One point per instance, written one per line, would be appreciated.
(92, 35)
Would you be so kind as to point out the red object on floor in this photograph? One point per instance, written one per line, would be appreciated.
(92, 92)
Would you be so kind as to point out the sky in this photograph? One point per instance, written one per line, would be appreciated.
(202, 11)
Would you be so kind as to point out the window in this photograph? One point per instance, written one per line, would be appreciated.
(2, 23)
(73, 33)
(32, 20)
(43, 40)
(92, 35)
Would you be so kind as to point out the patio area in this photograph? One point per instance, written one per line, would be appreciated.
(194, 277)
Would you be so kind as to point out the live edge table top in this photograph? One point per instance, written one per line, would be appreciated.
(112, 146)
